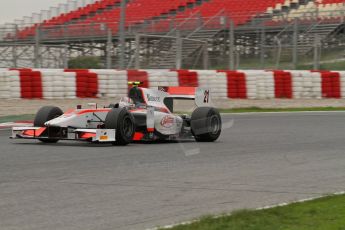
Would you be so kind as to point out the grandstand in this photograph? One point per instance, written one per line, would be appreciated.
(175, 33)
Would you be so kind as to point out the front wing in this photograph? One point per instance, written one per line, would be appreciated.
(59, 133)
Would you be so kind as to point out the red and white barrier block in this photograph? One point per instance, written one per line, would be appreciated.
(240, 84)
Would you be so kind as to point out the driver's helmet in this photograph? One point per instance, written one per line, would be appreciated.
(126, 102)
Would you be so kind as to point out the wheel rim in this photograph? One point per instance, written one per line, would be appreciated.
(127, 127)
(215, 124)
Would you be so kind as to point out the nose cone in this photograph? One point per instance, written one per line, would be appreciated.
(62, 121)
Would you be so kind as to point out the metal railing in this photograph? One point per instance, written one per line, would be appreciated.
(254, 36)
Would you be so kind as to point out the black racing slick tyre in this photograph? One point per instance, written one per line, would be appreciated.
(45, 114)
(206, 124)
(123, 123)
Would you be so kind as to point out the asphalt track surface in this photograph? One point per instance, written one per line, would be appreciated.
(260, 159)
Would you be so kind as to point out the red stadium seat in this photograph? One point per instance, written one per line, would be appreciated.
(139, 11)
(65, 18)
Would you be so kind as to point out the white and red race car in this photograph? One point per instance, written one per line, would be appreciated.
(145, 115)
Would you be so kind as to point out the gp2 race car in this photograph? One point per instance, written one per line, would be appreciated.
(145, 115)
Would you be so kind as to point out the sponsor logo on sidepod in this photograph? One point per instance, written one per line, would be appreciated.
(153, 98)
(167, 122)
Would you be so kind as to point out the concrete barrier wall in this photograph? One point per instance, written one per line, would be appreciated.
(241, 84)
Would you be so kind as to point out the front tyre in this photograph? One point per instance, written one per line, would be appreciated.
(206, 124)
(45, 114)
(123, 123)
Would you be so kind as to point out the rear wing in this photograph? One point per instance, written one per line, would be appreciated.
(201, 96)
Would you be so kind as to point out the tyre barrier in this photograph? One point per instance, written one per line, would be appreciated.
(188, 78)
(330, 85)
(236, 84)
(282, 84)
(224, 84)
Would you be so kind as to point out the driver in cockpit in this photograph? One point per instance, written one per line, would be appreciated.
(137, 97)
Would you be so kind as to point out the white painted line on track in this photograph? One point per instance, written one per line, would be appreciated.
(298, 201)
(261, 208)
(286, 113)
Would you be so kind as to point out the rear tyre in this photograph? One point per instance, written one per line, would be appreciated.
(45, 114)
(123, 123)
(206, 124)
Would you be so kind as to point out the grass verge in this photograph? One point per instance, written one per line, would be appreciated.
(320, 214)
(16, 118)
(258, 109)
(324, 66)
